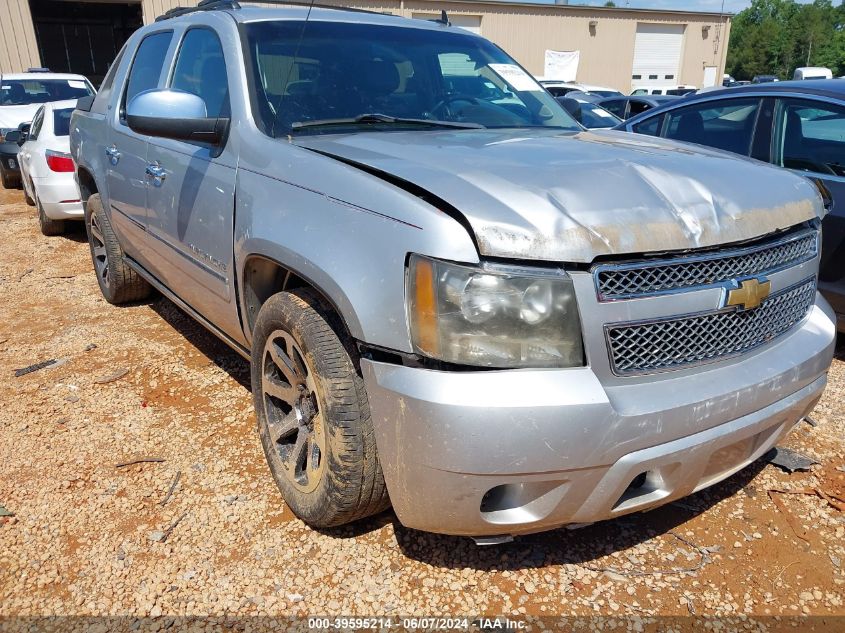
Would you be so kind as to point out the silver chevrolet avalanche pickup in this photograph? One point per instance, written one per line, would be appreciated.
(455, 300)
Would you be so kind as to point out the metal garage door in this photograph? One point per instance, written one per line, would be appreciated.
(82, 37)
(657, 55)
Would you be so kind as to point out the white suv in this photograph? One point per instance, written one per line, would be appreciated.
(21, 95)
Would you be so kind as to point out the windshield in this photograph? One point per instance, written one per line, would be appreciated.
(15, 92)
(338, 71)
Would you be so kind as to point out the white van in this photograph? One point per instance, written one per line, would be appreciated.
(812, 72)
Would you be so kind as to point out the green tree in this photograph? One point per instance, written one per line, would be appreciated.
(777, 36)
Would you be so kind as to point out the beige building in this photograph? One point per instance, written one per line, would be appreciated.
(618, 47)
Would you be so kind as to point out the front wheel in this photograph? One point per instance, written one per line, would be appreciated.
(10, 180)
(313, 414)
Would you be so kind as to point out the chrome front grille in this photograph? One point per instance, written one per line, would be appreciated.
(676, 342)
(650, 277)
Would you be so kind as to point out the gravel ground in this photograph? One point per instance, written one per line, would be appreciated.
(90, 538)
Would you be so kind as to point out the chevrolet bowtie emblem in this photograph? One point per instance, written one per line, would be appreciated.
(750, 294)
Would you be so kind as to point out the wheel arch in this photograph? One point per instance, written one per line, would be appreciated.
(87, 183)
(263, 276)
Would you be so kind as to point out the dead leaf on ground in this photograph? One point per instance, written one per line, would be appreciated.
(117, 375)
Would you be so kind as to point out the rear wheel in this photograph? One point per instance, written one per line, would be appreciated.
(47, 225)
(118, 282)
(313, 414)
(29, 201)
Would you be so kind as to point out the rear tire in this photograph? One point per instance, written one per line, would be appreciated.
(49, 227)
(313, 413)
(26, 197)
(117, 281)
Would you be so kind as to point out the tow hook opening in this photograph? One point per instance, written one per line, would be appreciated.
(521, 502)
(646, 487)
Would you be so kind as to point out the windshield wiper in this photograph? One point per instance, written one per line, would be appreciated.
(382, 119)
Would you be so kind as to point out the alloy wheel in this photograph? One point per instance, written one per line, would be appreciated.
(98, 250)
(295, 427)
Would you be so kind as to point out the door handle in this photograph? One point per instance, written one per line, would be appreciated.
(157, 173)
(113, 154)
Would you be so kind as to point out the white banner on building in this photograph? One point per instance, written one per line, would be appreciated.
(561, 65)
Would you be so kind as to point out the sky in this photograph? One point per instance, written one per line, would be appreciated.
(731, 6)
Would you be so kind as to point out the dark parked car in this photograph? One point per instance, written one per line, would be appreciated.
(588, 114)
(764, 79)
(799, 125)
(626, 107)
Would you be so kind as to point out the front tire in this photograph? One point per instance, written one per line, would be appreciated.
(313, 413)
(10, 181)
(117, 281)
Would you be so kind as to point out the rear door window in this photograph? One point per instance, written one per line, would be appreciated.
(616, 106)
(650, 126)
(727, 124)
(637, 107)
(810, 136)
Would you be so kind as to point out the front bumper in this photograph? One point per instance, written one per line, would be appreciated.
(834, 292)
(509, 452)
(9, 158)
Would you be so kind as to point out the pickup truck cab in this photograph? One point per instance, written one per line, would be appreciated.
(467, 307)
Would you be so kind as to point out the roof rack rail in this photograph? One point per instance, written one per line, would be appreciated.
(317, 5)
(203, 5)
(212, 5)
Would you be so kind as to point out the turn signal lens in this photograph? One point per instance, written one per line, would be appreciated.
(425, 304)
(59, 161)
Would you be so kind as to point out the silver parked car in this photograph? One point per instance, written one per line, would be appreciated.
(463, 305)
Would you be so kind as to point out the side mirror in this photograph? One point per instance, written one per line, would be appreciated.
(174, 114)
(15, 136)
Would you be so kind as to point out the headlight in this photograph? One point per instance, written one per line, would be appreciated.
(493, 316)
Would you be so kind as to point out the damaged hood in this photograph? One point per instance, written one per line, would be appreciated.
(547, 195)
